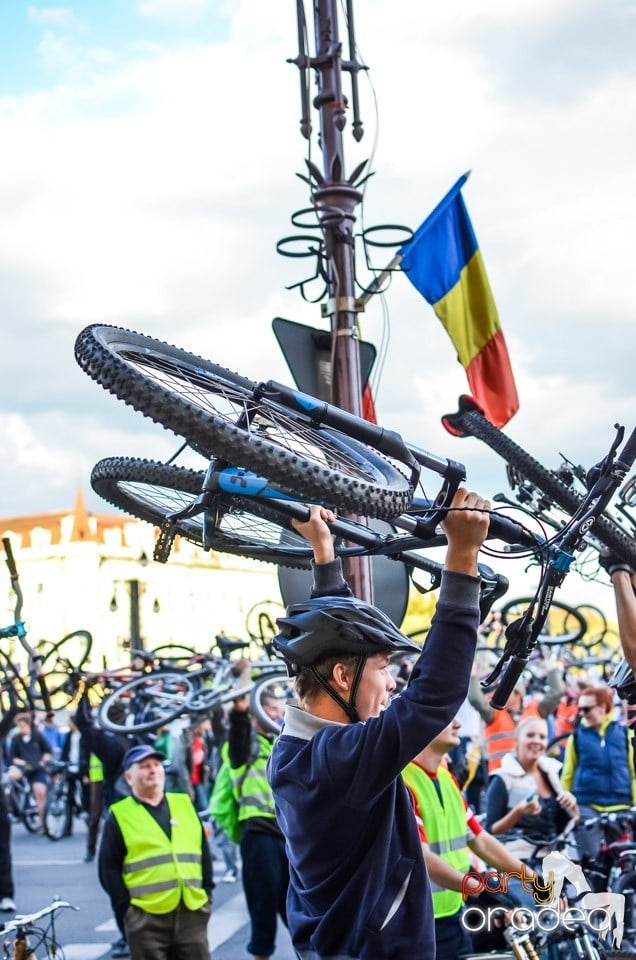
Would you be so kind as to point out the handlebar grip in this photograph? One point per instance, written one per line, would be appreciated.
(499, 527)
(502, 528)
(6, 543)
(508, 682)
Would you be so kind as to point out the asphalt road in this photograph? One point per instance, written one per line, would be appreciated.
(44, 870)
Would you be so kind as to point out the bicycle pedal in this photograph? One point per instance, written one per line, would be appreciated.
(165, 540)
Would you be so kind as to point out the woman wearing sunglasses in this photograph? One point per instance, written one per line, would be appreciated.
(598, 765)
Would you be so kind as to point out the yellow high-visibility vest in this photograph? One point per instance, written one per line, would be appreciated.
(159, 871)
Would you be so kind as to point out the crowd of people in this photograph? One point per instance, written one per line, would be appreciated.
(360, 822)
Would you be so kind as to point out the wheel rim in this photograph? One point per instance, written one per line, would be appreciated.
(233, 529)
(233, 405)
(280, 687)
(148, 704)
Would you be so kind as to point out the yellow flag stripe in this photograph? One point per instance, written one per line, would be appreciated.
(468, 311)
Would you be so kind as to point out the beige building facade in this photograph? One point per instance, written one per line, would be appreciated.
(86, 571)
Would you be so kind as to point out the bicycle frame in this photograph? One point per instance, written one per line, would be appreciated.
(420, 527)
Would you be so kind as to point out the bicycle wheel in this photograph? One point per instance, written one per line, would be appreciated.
(66, 656)
(14, 691)
(30, 814)
(626, 884)
(146, 702)
(564, 624)
(171, 655)
(240, 525)
(276, 687)
(222, 415)
(260, 623)
(596, 625)
(469, 421)
(58, 812)
(556, 746)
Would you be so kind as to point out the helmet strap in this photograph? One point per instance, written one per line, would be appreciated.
(350, 706)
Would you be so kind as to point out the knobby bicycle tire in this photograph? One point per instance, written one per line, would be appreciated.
(472, 422)
(243, 526)
(279, 685)
(146, 702)
(152, 491)
(221, 414)
(564, 625)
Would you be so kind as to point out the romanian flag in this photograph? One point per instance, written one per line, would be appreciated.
(444, 263)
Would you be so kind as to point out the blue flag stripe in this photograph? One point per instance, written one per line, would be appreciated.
(441, 247)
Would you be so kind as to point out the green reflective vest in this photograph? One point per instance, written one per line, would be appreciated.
(445, 826)
(251, 788)
(95, 769)
(159, 871)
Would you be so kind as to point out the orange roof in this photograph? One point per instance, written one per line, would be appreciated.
(82, 528)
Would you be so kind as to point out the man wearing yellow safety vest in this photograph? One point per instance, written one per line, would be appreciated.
(155, 864)
(450, 834)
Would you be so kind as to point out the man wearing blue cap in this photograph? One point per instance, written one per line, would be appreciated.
(155, 865)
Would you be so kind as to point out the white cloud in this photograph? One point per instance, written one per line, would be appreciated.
(52, 16)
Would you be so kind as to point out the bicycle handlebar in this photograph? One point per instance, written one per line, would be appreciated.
(10, 559)
(499, 527)
(26, 919)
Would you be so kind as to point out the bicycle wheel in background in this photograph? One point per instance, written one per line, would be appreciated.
(29, 813)
(625, 883)
(277, 686)
(147, 702)
(564, 624)
(58, 812)
(14, 690)
(61, 659)
(221, 414)
(260, 623)
(596, 625)
(173, 655)
(556, 746)
(469, 421)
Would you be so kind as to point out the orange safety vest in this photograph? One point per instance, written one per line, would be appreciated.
(501, 734)
(565, 716)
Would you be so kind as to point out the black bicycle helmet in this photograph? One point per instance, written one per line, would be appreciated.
(329, 626)
(336, 626)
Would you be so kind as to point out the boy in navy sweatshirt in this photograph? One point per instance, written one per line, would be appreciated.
(358, 884)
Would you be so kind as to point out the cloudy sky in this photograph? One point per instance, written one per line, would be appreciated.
(149, 152)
